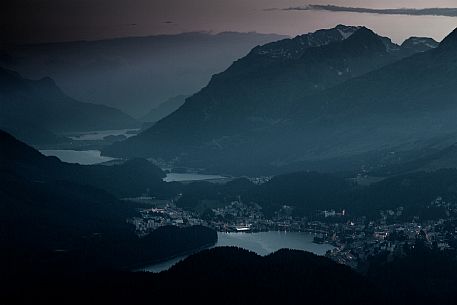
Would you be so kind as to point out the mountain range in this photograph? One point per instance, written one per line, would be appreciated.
(132, 74)
(164, 109)
(330, 99)
(37, 110)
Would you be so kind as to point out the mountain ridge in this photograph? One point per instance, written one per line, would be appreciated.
(260, 98)
(134, 74)
(164, 109)
(42, 104)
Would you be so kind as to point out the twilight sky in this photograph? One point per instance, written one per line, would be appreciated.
(30, 21)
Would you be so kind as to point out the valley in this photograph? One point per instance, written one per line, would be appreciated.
(231, 167)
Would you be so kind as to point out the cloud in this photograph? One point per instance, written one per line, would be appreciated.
(446, 12)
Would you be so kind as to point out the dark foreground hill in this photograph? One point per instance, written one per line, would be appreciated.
(222, 276)
(236, 276)
(54, 215)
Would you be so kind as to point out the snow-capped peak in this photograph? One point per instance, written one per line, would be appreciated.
(346, 31)
(294, 48)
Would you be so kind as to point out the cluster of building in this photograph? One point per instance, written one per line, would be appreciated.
(355, 240)
(238, 216)
(260, 180)
(355, 243)
(160, 214)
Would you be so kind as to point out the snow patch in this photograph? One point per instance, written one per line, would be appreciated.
(345, 34)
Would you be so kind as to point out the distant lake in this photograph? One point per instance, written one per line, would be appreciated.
(99, 135)
(85, 157)
(262, 243)
(89, 157)
(190, 177)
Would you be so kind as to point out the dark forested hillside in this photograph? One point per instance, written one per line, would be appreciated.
(225, 276)
(309, 192)
(54, 215)
(236, 276)
(71, 228)
(129, 179)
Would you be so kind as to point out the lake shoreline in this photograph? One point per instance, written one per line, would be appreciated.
(140, 267)
(261, 243)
